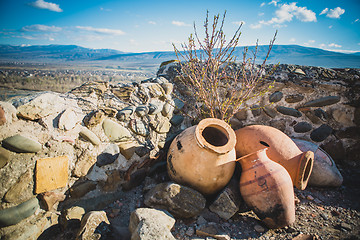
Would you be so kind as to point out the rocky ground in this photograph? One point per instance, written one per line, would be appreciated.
(332, 213)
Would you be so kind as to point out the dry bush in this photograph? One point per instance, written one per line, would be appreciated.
(218, 84)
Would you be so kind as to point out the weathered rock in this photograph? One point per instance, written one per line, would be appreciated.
(115, 132)
(176, 120)
(2, 116)
(321, 133)
(14, 215)
(80, 189)
(4, 157)
(85, 161)
(324, 101)
(178, 200)
(125, 113)
(241, 114)
(256, 110)
(142, 110)
(108, 156)
(88, 135)
(123, 92)
(281, 125)
(41, 106)
(270, 111)
(275, 97)
(155, 107)
(9, 112)
(94, 118)
(160, 124)
(68, 119)
(127, 149)
(109, 111)
(168, 109)
(168, 88)
(51, 173)
(21, 144)
(138, 127)
(227, 202)
(288, 111)
(302, 127)
(148, 224)
(294, 98)
(71, 214)
(155, 90)
(89, 223)
(49, 199)
(179, 105)
(22, 190)
(313, 118)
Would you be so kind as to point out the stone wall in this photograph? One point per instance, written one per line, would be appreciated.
(96, 139)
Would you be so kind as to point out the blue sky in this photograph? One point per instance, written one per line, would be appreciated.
(153, 25)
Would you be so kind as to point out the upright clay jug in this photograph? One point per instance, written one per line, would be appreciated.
(267, 189)
(203, 156)
(281, 149)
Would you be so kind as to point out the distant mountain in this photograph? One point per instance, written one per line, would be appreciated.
(290, 54)
(45, 53)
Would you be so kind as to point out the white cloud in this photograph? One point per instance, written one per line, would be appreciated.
(262, 4)
(274, 2)
(286, 13)
(239, 23)
(101, 30)
(40, 28)
(334, 45)
(335, 13)
(322, 45)
(261, 14)
(105, 9)
(331, 26)
(41, 4)
(357, 20)
(180, 24)
(292, 40)
(152, 22)
(309, 43)
(324, 11)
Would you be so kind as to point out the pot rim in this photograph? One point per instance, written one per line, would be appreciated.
(221, 126)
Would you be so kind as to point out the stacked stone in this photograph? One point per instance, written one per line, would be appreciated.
(63, 145)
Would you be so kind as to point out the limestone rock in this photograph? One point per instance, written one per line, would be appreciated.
(141, 110)
(299, 71)
(73, 213)
(302, 127)
(275, 97)
(160, 124)
(168, 87)
(324, 101)
(89, 136)
(21, 144)
(155, 107)
(148, 224)
(321, 133)
(123, 92)
(115, 132)
(288, 111)
(108, 156)
(2, 116)
(51, 173)
(127, 149)
(125, 113)
(89, 223)
(94, 118)
(4, 157)
(68, 119)
(155, 90)
(22, 190)
(138, 127)
(85, 161)
(9, 112)
(41, 106)
(13, 215)
(294, 98)
(179, 200)
(168, 109)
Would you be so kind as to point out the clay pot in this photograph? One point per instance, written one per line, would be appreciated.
(324, 173)
(203, 156)
(280, 149)
(267, 189)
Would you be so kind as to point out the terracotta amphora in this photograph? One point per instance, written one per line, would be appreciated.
(281, 149)
(267, 189)
(203, 156)
(324, 173)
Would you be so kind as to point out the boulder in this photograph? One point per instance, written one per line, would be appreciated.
(13, 215)
(89, 225)
(115, 132)
(21, 144)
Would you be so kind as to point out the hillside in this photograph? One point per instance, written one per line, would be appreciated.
(286, 54)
